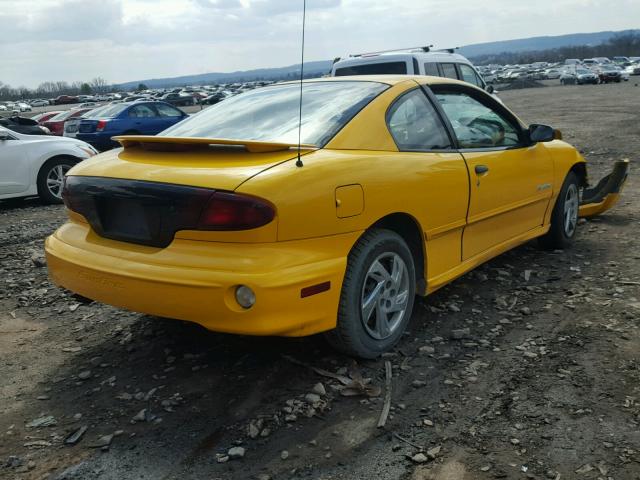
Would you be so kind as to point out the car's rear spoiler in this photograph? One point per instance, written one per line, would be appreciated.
(606, 193)
(150, 142)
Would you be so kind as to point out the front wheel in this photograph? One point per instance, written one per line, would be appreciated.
(377, 295)
(51, 178)
(564, 218)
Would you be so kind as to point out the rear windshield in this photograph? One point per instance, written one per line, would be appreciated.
(111, 111)
(96, 112)
(272, 113)
(383, 68)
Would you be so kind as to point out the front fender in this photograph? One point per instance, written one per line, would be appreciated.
(46, 154)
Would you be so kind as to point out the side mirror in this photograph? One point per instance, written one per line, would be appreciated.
(5, 136)
(541, 133)
(489, 89)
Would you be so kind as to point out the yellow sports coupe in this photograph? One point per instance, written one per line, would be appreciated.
(394, 186)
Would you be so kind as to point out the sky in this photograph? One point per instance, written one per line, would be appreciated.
(125, 40)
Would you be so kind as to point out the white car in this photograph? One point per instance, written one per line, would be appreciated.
(36, 164)
(633, 69)
(23, 107)
(39, 103)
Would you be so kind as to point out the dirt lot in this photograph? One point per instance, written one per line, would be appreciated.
(528, 367)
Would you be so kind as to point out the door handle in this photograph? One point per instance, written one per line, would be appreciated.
(481, 169)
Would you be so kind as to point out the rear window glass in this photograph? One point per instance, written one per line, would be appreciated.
(414, 124)
(271, 114)
(95, 112)
(384, 68)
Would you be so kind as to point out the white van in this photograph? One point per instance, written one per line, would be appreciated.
(420, 61)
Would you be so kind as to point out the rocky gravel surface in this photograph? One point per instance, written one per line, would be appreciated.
(526, 368)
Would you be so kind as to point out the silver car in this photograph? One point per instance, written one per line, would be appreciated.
(71, 125)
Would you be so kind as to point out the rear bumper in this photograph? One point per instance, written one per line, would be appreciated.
(100, 141)
(606, 193)
(196, 281)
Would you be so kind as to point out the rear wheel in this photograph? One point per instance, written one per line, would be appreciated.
(564, 218)
(51, 178)
(377, 295)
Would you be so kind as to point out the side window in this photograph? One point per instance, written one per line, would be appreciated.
(475, 124)
(449, 70)
(167, 110)
(141, 111)
(414, 124)
(469, 75)
(431, 69)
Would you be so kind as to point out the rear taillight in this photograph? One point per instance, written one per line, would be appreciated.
(231, 211)
(101, 125)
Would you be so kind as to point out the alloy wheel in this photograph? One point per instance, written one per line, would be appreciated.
(55, 179)
(571, 205)
(385, 295)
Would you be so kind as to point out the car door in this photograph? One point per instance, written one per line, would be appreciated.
(14, 165)
(145, 120)
(425, 147)
(511, 179)
(168, 115)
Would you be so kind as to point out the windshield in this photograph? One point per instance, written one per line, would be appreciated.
(271, 113)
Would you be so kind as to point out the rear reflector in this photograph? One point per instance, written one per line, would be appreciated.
(315, 289)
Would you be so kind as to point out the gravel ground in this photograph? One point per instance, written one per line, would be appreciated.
(528, 367)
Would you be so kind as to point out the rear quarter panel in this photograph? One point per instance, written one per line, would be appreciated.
(430, 187)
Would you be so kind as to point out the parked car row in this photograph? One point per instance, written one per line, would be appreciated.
(15, 107)
(571, 71)
(97, 125)
(130, 118)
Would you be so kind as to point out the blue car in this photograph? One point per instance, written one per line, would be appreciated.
(132, 118)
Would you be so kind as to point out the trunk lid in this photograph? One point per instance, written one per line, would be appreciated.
(87, 126)
(157, 186)
(209, 163)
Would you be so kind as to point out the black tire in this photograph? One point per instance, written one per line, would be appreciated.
(352, 334)
(51, 169)
(560, 236)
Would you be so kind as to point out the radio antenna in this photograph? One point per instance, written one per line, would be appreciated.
(304, 18)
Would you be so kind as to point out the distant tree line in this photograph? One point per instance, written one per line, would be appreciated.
(624, 45)
(53, 89)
